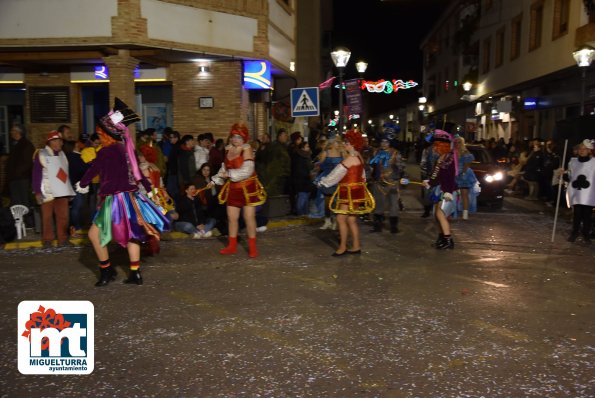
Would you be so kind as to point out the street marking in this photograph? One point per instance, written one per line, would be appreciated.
(495, 284)
(517, 336)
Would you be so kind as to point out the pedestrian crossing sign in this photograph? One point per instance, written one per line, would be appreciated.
(305, 101)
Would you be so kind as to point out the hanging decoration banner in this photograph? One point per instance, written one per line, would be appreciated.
(386, 86)
(354, 96)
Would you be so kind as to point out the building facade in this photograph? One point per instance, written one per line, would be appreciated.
(180, 63)
(518, 57)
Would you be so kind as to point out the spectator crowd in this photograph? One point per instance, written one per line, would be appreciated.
(180, 168)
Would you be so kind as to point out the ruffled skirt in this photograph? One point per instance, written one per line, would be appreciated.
(128, 216)
(466, 179)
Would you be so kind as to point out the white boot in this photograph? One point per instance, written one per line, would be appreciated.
(327, 223)
(334, 223)
(465, 214)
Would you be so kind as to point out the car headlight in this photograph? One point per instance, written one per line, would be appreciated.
(498, 176)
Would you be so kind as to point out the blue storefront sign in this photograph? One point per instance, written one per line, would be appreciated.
(257, 75)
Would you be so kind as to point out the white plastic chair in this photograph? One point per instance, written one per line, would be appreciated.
(18, 213)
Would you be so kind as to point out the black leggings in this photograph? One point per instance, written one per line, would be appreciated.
(582, 213)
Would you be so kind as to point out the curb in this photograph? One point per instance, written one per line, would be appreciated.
(36, 244)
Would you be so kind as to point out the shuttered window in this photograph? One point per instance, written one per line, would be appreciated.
(49, 104)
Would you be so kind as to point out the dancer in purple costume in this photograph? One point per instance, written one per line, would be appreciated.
(123, 213)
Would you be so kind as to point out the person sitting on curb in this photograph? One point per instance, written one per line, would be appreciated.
(191, 219)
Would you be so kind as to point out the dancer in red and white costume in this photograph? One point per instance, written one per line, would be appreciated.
(242, 190)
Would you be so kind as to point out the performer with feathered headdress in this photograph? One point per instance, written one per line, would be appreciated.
(351, 198)
(387, 168)
(123, 214)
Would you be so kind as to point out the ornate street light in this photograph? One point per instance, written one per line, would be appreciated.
(361, 67)
(583, 58)
(340, 57)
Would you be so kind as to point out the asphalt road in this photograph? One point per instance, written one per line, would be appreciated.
(505, 314)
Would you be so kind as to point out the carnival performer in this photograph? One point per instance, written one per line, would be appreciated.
(443, 186)
(52, 188)
(387, 168)
(351, 198)
(159, 196)
(328, 159)
(123, 214)
(242, 190)
(581, 193)
(466, 178)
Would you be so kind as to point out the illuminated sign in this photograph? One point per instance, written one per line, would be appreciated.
(102, 73)
(257, 75)
(386, 86)
(530, 103)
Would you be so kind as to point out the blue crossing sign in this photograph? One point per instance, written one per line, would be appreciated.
(305, 101)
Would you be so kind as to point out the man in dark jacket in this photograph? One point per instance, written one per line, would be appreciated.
(186, 163)
(278, 167)
(20, 167)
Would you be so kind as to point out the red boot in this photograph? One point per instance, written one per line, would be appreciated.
(152, 247)
(252, 252)
(232, 246)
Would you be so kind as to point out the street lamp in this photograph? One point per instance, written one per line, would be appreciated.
(583, 58)
(340, 57)
(467, 86)
(361, 67)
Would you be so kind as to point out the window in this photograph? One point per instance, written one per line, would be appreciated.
(499, 54)
(485, 58)
(49, 104)
(515, 36)
(536, 25)
(561, 12)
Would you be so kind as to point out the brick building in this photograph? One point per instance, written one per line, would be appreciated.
(178, 62)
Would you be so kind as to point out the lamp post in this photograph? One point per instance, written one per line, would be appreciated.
(467, 86)
(421, 105)
(361, 67)
(340, 57)
(583, 58)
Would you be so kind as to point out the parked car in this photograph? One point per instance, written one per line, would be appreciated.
(490, 174)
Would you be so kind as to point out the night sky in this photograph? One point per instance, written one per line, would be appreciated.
(387, 35)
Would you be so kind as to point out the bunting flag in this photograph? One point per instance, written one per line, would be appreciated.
(327, 83)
